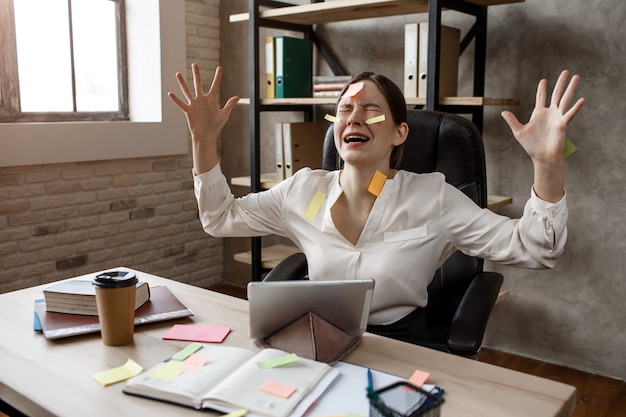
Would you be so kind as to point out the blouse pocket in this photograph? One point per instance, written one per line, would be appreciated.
(404, 235)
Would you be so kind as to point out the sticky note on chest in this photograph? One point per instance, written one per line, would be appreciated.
(314, 206)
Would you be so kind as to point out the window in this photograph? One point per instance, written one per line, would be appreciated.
(68, 60)
(155, 45)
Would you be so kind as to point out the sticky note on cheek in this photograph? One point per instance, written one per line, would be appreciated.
(331, 118)
(377, 183)
(314, 206)
(376, 119)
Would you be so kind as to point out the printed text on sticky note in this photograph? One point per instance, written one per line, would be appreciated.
(314, 206)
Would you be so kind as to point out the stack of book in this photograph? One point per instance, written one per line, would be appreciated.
(329, 85)
(79, 297)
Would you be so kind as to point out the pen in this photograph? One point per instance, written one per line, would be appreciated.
(370, 382)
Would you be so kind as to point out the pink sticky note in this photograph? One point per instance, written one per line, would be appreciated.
(418, 378)
(194, 333)
(354, 89)
(277, 389)
(194, 362)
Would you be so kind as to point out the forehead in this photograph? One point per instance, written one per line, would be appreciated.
(369, 94)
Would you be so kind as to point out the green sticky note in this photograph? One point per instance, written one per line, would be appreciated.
(280, 361)
(314, 206)
(186, 352)
(570, 148)
(112, 376)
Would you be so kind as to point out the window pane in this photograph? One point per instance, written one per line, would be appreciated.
(95, 55)
(43, 55)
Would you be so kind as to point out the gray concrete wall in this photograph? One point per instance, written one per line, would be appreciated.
(572, 314)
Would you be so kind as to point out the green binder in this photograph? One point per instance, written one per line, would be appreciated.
(294, 67)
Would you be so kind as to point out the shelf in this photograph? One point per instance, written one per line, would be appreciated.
(268, 180)
(411, 101)
(342, 10)
(271, 256)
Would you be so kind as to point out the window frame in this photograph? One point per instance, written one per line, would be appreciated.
(10, 109)
(156, 49)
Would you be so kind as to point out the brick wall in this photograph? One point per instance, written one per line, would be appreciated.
(60, 221)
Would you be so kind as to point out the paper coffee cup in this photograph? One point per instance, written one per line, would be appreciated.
(115, 299)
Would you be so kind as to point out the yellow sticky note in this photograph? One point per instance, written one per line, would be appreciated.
(280, 361)
(331, 118)
(277, 389)
(314, 206)
(112, 376)
(419, 378)
(377, 183)
(187, 351)
(570, 148)
(354, 89)
(375, 119)
(168, 371)
(237, 413)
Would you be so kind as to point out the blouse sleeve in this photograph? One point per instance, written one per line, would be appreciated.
(533, 241)
(223, 215)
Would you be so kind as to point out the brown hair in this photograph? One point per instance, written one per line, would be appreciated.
(395, 100)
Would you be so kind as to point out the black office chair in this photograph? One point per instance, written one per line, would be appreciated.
(461, 296)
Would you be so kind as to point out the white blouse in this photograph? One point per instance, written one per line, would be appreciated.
(416, 223)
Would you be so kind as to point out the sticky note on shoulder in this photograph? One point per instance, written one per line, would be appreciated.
(377, 183)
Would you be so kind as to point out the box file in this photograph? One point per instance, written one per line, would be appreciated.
(293, 66)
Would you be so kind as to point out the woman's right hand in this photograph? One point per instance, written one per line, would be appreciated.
(205, 118)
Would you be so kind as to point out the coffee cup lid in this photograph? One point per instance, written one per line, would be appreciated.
(115, 279)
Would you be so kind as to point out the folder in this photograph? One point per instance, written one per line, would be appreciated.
(270, 90)
(293, 66)
(448, 60)
(410, 60)
(280, 156)
(302, 144)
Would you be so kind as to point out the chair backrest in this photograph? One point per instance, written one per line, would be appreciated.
(452, 145)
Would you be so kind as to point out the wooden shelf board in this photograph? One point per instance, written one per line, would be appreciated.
(412, 101)
(268, 180)
(270, 255)
(341, 10)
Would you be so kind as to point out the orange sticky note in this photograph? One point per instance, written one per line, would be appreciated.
(354, 89)
(277, 389)
(377, 183)
(419, 378)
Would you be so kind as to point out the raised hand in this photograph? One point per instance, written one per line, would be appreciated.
(205, 117)
(543, 137)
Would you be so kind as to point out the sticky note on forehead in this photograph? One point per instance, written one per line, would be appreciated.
(377, 183)
(354, 89)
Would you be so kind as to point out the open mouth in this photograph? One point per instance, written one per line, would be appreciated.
(355, 139)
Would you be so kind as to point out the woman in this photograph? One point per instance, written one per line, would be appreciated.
(362, 222)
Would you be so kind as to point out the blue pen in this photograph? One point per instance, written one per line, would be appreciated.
(370, 382)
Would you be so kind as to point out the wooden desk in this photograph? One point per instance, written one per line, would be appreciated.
(43, 377)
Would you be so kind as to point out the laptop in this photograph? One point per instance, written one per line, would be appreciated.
(343, 303)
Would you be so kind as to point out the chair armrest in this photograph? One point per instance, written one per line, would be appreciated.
(293, 267)
(470, 320)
